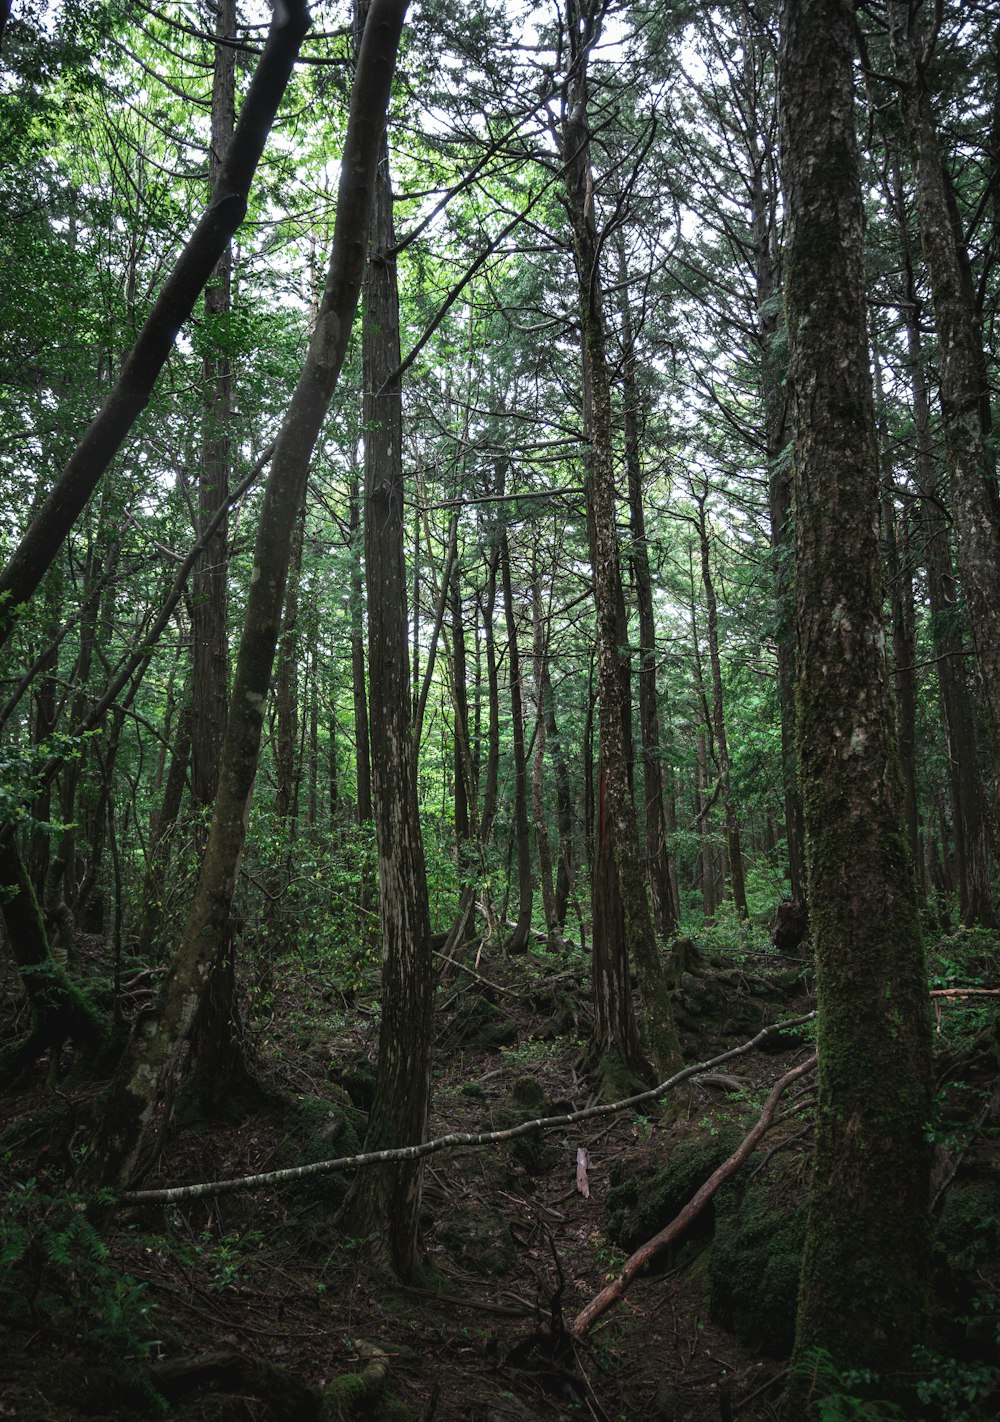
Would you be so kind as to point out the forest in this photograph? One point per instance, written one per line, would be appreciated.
(499, 710)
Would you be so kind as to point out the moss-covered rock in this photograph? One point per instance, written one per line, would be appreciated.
(643, 1203)
(478, 1022)
(357, 1077)
(755, 1264)
(535, 1153)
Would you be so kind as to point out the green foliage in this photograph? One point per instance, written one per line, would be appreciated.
(55, 1274)
(730, 936)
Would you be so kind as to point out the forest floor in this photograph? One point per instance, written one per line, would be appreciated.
(243, 1306)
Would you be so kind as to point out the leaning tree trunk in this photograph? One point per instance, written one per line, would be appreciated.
(386, 1201)
(863, 1293)
(226, 210)
(134, 1108)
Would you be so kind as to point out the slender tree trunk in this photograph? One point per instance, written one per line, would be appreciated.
(363, 757)
(542, 841)
(974, 502)
(617, 832)
(209, 627)
(154, 885)
(518, 940)
(974, 832)
(134, 1107)
(774, 403)
(864, 1279)
(286, 682)
(719, 717)
(386, 1202)
(662, 899)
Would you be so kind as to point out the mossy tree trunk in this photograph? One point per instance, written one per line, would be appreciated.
(136, 1105)
(864, 1276)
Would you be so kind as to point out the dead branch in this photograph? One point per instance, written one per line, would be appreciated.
(449, 1142)
(691, 1210)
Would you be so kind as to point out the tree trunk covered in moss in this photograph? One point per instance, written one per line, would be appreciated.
(386, 1202)
(975, 506)
(135, 1107)
(863, 1293)
(617, 831)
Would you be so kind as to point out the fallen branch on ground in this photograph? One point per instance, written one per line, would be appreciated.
(603, 1301)
(450, 1142)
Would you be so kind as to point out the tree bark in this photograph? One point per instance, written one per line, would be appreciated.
(209, 625)
(135, 1103)
(733, 838)
(542, 841)
(863, 1292)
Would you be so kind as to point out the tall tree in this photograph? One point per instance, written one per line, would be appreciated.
(386, 1202)
(975, 503)
(629, 928)
(862, 1298)
(134, 1108)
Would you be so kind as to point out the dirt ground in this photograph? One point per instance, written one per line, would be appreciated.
(224, 1308)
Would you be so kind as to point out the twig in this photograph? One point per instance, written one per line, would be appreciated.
(473, 974)
(603, 1301)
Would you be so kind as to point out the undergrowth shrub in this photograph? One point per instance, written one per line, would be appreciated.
(56, 1275)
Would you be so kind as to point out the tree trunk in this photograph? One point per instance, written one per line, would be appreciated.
(363, 759)
(657, 857)
(719, 717)
(974, 503)
(518, 940)
(386, 1202)
(135, 1101)
(542, 841)
(617, 832)
(209, 627)
(865, 1268)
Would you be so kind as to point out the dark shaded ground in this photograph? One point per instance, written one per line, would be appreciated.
(232, 1308)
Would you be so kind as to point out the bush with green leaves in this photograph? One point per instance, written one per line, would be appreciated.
(56, 1273)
